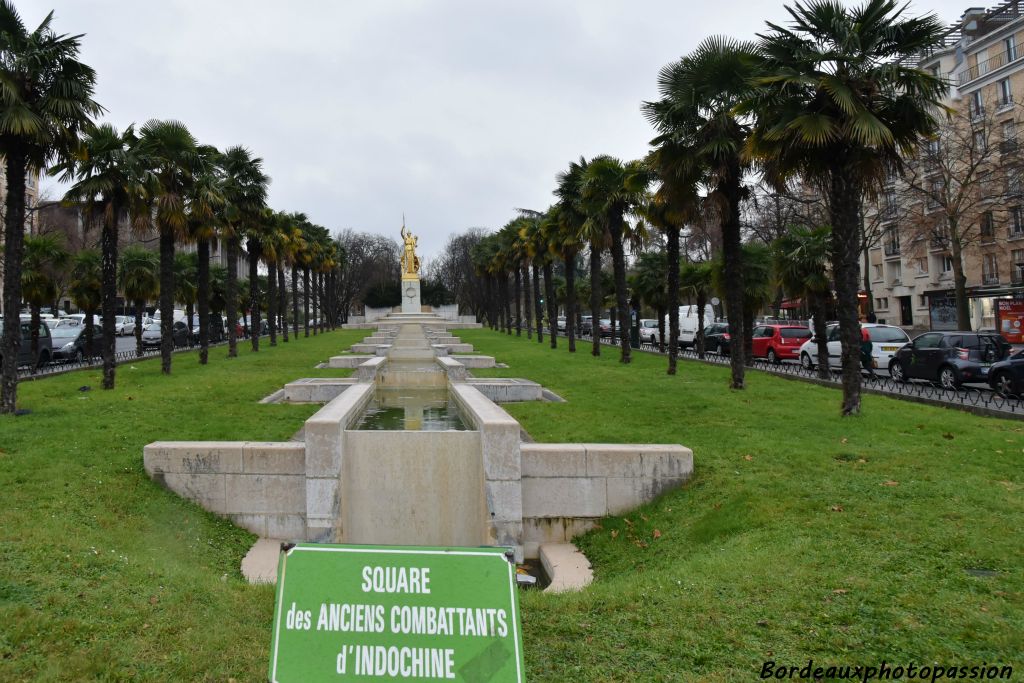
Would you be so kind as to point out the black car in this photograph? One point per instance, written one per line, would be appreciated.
(69, 343)
(717, 338)
(25, 350)
(1007, 376)
(949, 358)
(180, 334)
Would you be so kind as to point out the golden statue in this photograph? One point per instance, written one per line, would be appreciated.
(410, 262)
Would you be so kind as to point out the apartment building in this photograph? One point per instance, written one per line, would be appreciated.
(912, 265)
(31, 200)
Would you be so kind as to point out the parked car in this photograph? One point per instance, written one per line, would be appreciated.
(586, 325)
(69, 343)
(124, 324)
(949, 358)
(779, 342)
(1007, 376)
(25, 349)
(689, 320)
(886, 340)
(649, 331)
(179, 333)
(717, 338)
(560, 323)
(604, 327)
(216, 328)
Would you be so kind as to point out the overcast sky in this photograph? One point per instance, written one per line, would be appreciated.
(455, 112)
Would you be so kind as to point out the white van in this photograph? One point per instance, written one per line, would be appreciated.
(688, 323)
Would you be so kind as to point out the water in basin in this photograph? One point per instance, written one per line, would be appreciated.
(416, 409)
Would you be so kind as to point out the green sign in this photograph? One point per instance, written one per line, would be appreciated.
(372, 613)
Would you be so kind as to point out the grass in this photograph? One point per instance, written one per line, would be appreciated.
(802, 534)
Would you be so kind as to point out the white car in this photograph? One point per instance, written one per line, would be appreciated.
(886, 340)
(689, 321)
(124, 324)
(648, 331)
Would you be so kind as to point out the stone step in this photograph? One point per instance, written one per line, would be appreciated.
(260, 564)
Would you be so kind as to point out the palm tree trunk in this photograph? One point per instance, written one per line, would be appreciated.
(166, 299)
(231, 295)
(506, 304)
(549, 299)
(569, 258)
(203, 296)
(282, 294)
(305, 300)
(14, 242)
(139, 310)
(595, 298)
(672, 254)
(272, 301)
(537, 305)
(36, 321)
(819, 307)
(702, 302)
(518, 293)
(254, 293)
(844, 194)
(732, 257)
(621, 303)
(527, 303)
(108, 301)
(295, 303)
(315, 301)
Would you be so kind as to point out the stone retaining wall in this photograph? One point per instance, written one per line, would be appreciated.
(568, 487)
(258, 485)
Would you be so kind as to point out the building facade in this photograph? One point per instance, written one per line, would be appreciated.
(959, 201)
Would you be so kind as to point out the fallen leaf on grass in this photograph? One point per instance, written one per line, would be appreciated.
(836, 508)
(890, 483)
(762, 623)
(615, 533)
(153, 599)
(748, 458)
(843, 440)
(840, 591)
(657, 533)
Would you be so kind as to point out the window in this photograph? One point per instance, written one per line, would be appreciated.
(936, 192)
(878, 270)
(922, 265)
(889, 207)
(1011, 49)
(882, 303)
(947, 264)
(989, 269)
(976, 107)
(1016, 222)
(895, 271)
(1010, 131)
(933, 147)
(1005, 92)
(986, 226)
(1017, 266)
(980, 142)
(1013, 183)
(930, 340)
(922, 301)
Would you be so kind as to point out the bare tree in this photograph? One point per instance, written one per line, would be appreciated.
(953, 193)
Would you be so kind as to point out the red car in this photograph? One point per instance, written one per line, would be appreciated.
(779, 342)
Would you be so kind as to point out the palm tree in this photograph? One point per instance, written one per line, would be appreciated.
(611, 190)
(169, 153)
(205, 217)
(108, 186)
(801, 260)
(44, 254)
(695, 278)
(697, 115)
(536, 248)
(186, 287)
(139, 279)
(245, 194)
(839, 104)
(86, 290)
(675, 200)
(45, 100)
(649, 283)
(565, 239)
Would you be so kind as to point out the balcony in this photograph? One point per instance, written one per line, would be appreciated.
(1017, 277)
(938, 244)
(1016, 234)
(892, 248)
(990, 278)
(1007, 146)
(991, 64)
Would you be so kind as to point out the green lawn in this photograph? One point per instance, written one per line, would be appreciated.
(802, 534)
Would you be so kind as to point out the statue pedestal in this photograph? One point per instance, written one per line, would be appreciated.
(411, 296)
